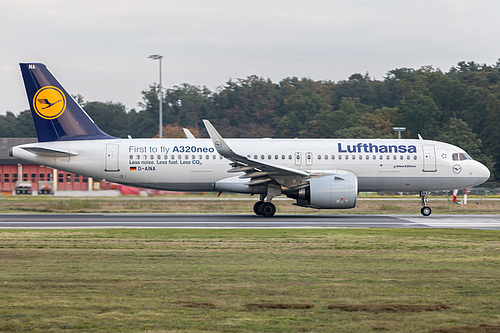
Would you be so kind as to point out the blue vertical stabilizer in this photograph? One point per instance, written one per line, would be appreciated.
(56, 115)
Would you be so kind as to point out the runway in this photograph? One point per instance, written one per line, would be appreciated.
(48, 221)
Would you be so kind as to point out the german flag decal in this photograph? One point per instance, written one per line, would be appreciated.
(133, 168)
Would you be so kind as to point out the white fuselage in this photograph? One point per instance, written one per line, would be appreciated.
(195, 165)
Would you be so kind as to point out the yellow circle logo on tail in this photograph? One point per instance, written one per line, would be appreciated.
(49, 102)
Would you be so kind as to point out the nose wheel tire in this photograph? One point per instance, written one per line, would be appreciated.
(426, 211)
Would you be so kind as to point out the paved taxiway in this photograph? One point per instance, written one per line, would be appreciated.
(491, 222)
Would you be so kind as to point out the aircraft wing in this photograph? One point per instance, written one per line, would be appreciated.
(259, 172)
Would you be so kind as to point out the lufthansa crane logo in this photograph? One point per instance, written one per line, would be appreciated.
(49, 102)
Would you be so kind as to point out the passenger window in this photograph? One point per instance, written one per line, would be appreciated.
(415, 157)
(319, 157)
(408, 157)
(268, 157)
(346, 157)
(261, 157)
(275, 157)
(254, 157)
(340, 157)
(282, 157)
(326, 157)
(333, 157)
(289, 157)
(353, 157)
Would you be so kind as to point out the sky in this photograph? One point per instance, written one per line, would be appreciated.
(99, 48)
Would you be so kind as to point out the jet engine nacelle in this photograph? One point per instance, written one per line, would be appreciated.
(338, 191)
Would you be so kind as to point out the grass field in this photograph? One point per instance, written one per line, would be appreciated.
(307, 280)
(210, 204)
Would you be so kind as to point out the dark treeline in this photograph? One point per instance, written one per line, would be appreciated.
(461, 107)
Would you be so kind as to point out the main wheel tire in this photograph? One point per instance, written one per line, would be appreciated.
(257, 208)
(426, 211)
(268, 209)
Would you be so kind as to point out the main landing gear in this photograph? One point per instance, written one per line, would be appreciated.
(266, 209)
(424, 199)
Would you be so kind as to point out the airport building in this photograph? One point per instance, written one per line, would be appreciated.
(19, 175)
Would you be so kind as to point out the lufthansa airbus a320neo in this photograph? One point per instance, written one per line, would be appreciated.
(317, 173)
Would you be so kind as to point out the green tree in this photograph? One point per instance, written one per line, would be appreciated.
(420, 115)
(248, 107)
(491, 130)
(110, 117)
(186, 105)
(19, 126)
(457, 132)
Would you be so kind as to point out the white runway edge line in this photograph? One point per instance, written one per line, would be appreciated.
(62, 221)
(485, 221)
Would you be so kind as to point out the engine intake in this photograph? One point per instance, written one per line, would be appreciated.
(337, 191)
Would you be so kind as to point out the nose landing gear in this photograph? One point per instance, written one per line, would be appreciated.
(424, 199)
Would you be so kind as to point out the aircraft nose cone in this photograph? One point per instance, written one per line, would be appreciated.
(483, 173)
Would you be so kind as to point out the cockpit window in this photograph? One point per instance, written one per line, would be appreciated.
(465, 156)
(460, 156)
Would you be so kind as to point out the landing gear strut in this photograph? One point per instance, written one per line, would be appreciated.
(424, 198)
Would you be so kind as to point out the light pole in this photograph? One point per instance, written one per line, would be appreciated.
(159, 57)
(399, 130)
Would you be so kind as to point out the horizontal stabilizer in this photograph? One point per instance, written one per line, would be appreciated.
(42, 151)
